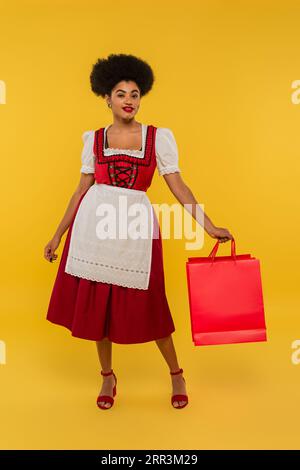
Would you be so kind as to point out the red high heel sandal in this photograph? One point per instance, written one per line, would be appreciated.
(107, 398)
(179, 397)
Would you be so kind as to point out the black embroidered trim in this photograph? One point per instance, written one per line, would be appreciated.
(144, 161)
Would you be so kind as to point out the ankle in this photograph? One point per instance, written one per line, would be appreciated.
(107, 377)
(176, 371)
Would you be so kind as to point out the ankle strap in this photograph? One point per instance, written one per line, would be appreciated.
(107, 373)
(177, 372)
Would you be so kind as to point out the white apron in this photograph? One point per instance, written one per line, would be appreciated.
(111, 239)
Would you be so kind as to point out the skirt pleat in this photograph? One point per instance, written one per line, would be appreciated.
(95, 310)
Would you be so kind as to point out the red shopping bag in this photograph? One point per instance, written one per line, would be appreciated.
(225, 298)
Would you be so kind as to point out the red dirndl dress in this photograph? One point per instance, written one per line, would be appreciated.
(94, 310)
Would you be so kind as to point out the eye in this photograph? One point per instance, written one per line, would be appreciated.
(121, 96)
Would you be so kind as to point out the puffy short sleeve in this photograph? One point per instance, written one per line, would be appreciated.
(166, 151)
(87, 154)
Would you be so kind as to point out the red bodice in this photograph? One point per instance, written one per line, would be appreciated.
(125, 170)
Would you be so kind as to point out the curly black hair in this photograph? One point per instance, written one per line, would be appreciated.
(106, 73)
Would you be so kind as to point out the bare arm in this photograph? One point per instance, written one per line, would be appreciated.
(86, 181)
(185, 196)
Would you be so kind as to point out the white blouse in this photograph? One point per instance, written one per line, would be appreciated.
(165, 149)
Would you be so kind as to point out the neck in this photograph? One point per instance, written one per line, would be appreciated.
(120, 124)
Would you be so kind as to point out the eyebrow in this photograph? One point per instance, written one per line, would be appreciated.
(119, 89)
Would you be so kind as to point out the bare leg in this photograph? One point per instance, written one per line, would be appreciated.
(166, 347)
(104, 348)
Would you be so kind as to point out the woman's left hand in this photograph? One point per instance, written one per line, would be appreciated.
(222, 234)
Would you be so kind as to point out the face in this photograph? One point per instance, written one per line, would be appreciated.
(125, 93)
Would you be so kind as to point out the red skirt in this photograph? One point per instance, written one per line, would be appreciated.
(95, 310)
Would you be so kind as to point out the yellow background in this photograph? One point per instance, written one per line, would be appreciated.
(224, 72)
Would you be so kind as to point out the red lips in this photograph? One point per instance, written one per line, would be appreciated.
(128, 109)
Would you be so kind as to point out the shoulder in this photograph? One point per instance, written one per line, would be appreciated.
(165, 137)
(88, 135)
(164, 131)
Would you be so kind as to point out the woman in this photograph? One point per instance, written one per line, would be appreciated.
(114, 290)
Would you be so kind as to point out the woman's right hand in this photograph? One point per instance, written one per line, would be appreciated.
(49, 251)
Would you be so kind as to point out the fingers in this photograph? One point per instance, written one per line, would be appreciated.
(47, 252)
(51, 258)
(49, 255)
(224, 239)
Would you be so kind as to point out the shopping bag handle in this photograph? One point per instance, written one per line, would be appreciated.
(213, 252)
